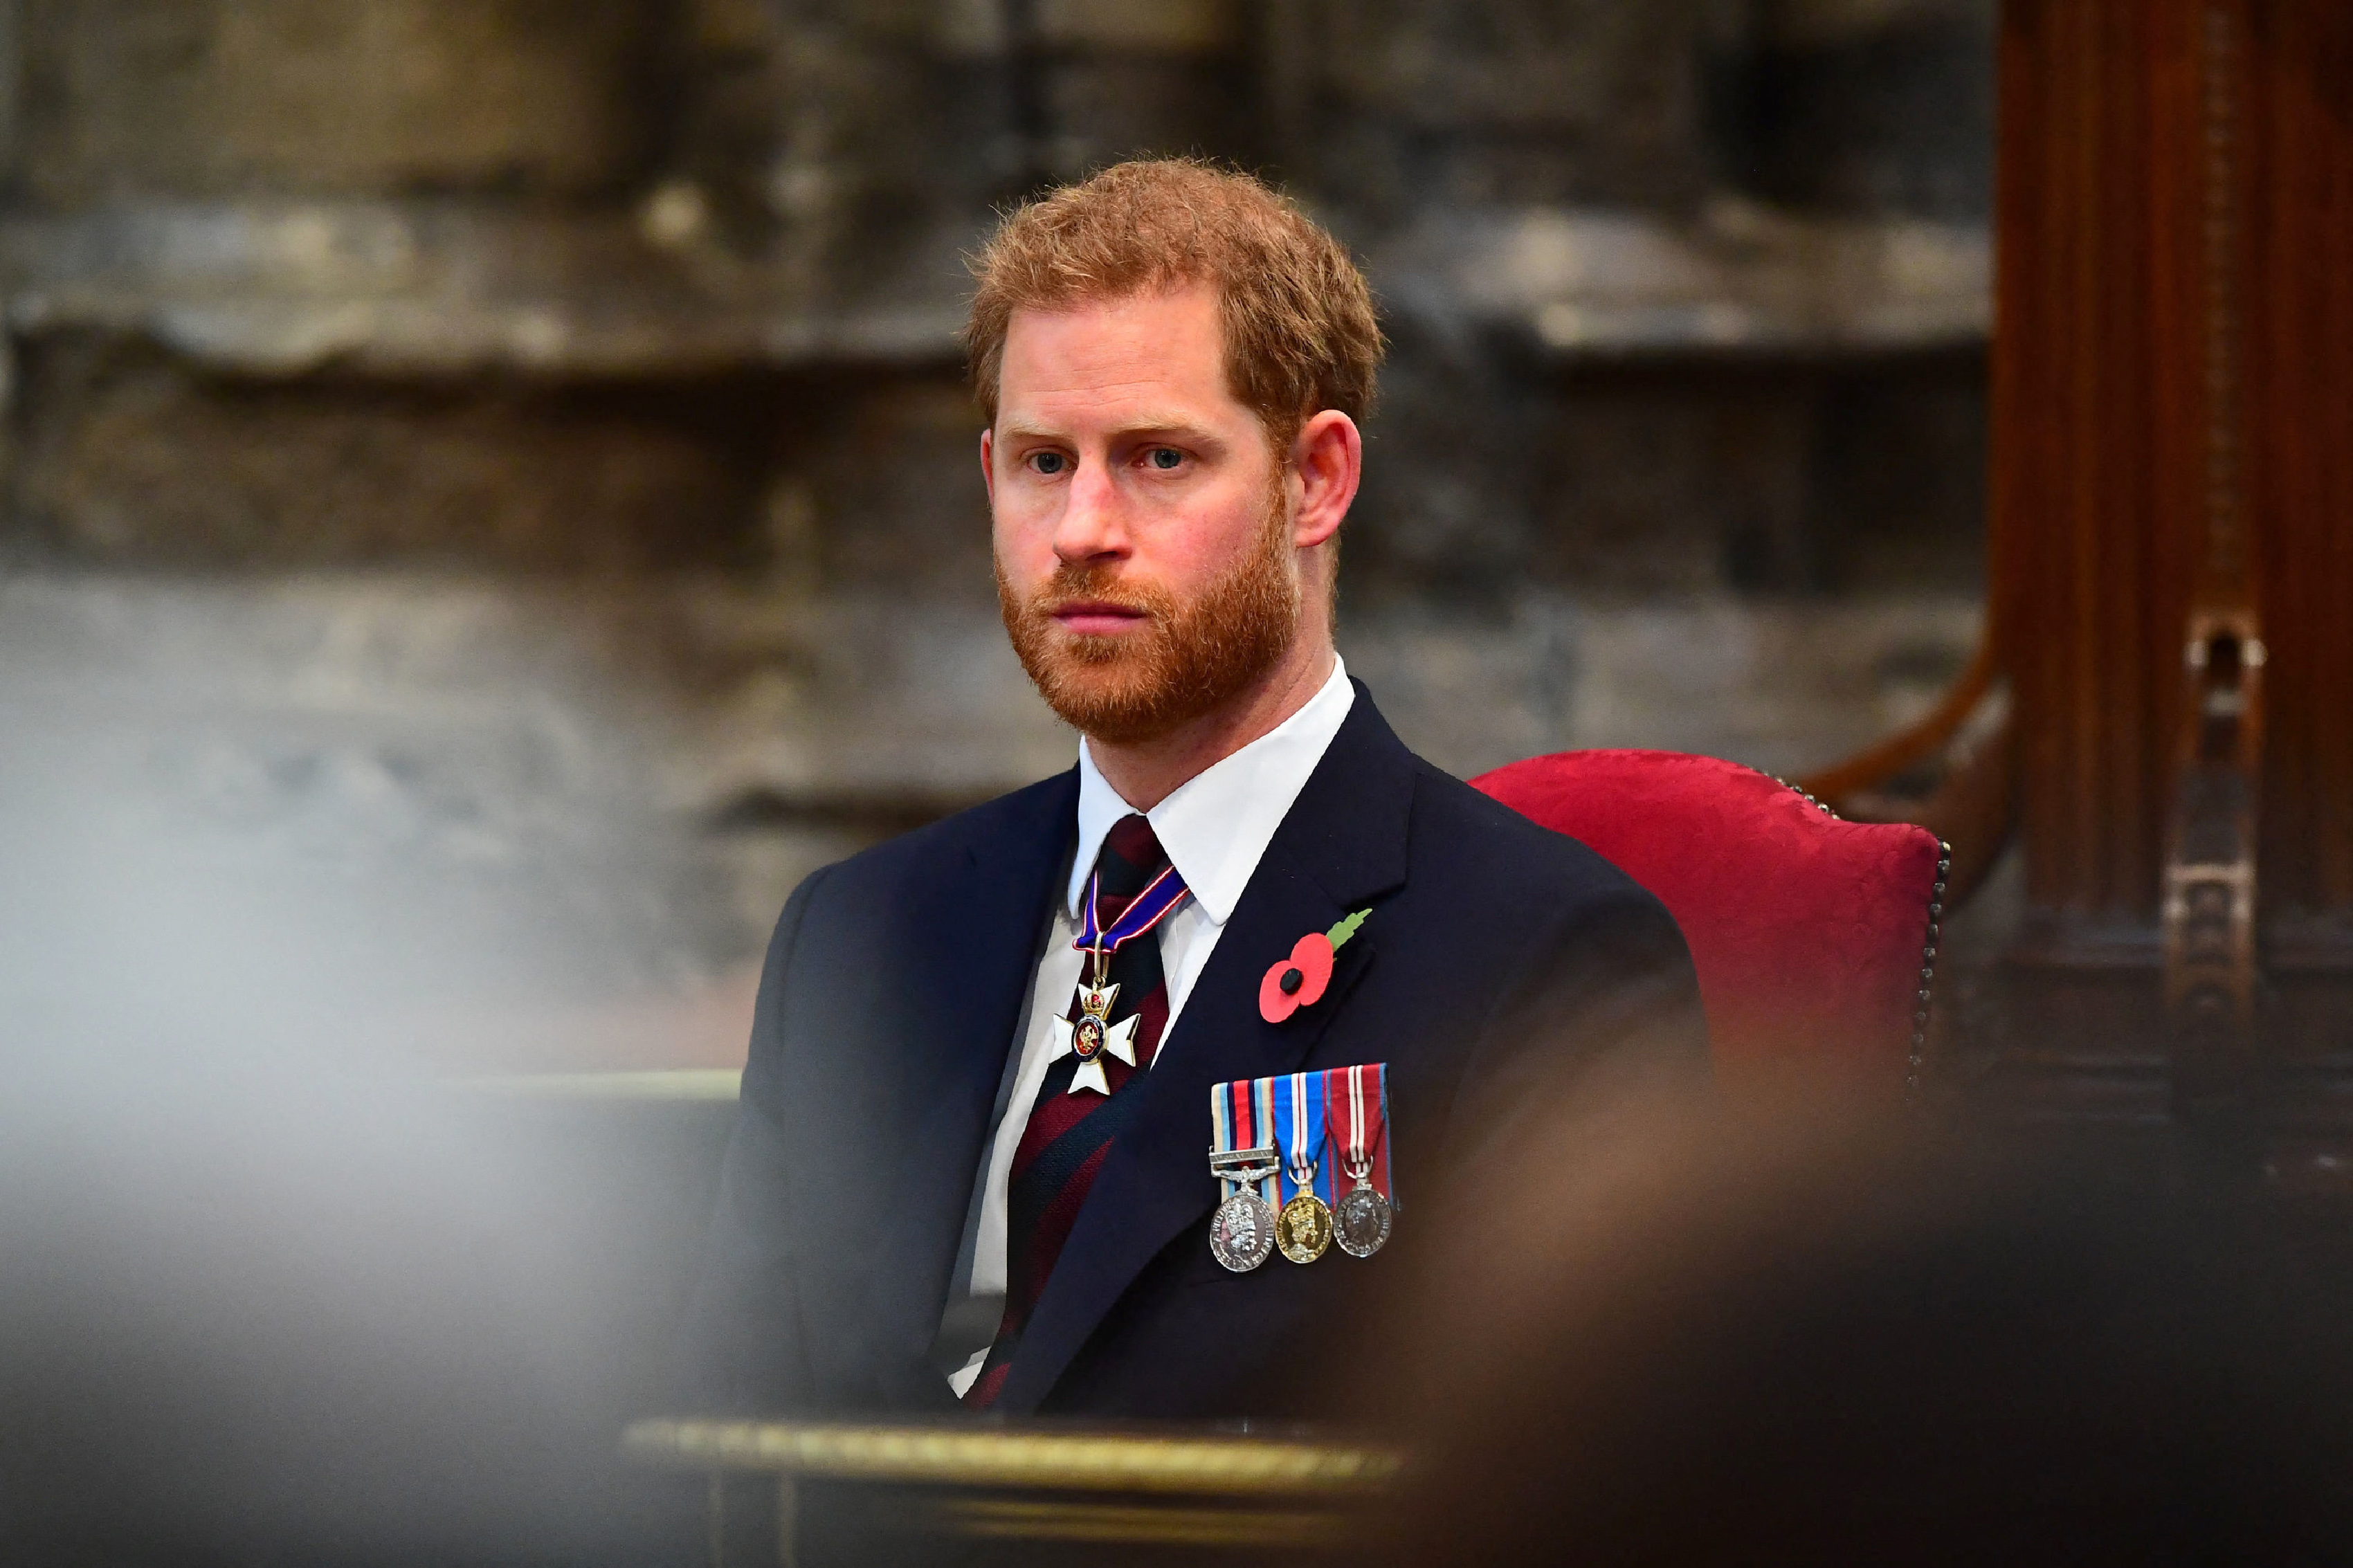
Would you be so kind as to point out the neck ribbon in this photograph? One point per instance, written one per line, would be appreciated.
(1143, 912)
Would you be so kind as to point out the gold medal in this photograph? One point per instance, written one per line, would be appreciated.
(1304, 1229)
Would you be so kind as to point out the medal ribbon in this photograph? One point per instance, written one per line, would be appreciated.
(1143, 912)
(1238, 1121)
(1294, 1115)
(1365, 1089)
(1300, 1100)
(1302, 1168)
(1261, 1094)
(1359, 1165)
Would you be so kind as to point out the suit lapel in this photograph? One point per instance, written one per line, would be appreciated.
(969, 965)
(1342, 846)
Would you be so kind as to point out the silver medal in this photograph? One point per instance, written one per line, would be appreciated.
(1241, 1233)
(1361, 1222)
(1361, 1219)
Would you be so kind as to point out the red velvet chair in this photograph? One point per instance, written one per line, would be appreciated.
(1815, 938)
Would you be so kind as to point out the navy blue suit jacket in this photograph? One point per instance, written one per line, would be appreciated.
(1500, 964)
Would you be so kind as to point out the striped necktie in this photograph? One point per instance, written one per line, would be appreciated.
(1068, 1134)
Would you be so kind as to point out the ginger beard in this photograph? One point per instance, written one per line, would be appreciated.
(1188, 660)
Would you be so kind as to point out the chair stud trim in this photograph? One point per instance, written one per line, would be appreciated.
(1928, 974)
(1916, 1058)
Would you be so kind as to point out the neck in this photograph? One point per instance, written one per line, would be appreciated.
(1147, 773)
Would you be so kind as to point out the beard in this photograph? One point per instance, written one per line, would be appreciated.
(1188, 660)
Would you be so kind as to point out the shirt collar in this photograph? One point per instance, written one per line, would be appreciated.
(1216, 824)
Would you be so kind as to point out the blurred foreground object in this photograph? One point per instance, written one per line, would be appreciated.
(1687, 1337)
(262, 1310)
(1815, 938)
(1680, 1335)
(2172, 555)
(1035, 1492)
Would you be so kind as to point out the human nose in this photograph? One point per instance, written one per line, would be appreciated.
(1093, 523)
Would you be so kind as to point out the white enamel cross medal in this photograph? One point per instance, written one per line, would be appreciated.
(1092, 1035)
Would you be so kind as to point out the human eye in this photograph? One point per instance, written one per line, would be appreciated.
(1165, 459)
(1047, 464)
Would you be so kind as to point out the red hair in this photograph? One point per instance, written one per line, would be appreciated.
(1300, 332)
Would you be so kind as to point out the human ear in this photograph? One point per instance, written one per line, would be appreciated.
(1329, 457)
(988, 463)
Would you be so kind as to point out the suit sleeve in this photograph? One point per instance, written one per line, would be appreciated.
(1602, 1005)
(741, 1348)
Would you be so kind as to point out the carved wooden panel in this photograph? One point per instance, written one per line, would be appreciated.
(2173, 448)
(2299, 360)
(2300, 385)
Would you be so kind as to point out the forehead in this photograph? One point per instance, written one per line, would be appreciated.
(1110, 358)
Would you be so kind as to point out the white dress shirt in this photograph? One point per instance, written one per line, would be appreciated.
(1215, 826)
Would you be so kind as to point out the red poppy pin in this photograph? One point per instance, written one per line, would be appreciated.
(1299, 980)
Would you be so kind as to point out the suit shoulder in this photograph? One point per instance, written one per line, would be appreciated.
(852, 905)
(1505, 851)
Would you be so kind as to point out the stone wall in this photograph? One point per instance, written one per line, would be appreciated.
(530, 434)
(212, 99)
(1423, 102)
(666, 231)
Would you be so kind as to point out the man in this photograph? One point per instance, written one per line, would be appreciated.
(946, 1187)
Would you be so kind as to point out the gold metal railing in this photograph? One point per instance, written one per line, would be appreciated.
(1035, 1482)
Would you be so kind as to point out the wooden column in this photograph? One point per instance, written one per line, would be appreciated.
(2173, 553)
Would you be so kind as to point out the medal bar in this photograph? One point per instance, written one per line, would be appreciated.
(1322, 1137)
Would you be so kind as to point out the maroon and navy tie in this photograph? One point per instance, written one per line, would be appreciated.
(1068, 1136)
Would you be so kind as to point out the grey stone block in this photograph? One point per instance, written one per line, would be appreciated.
(1868, 106)
(1512, 100)
(893, 473)
(215, 97)
(127, 456)
(1104, 107)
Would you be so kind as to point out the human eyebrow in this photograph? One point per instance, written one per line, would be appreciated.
(1173, 432)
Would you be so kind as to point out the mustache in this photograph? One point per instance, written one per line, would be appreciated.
(1074, 582)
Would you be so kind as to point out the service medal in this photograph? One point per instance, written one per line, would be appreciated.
(1242, 1233)
(1362, 1220)
(1304, 1229)
(1361, 1224)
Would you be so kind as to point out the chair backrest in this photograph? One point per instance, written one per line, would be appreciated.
(1814, 938)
